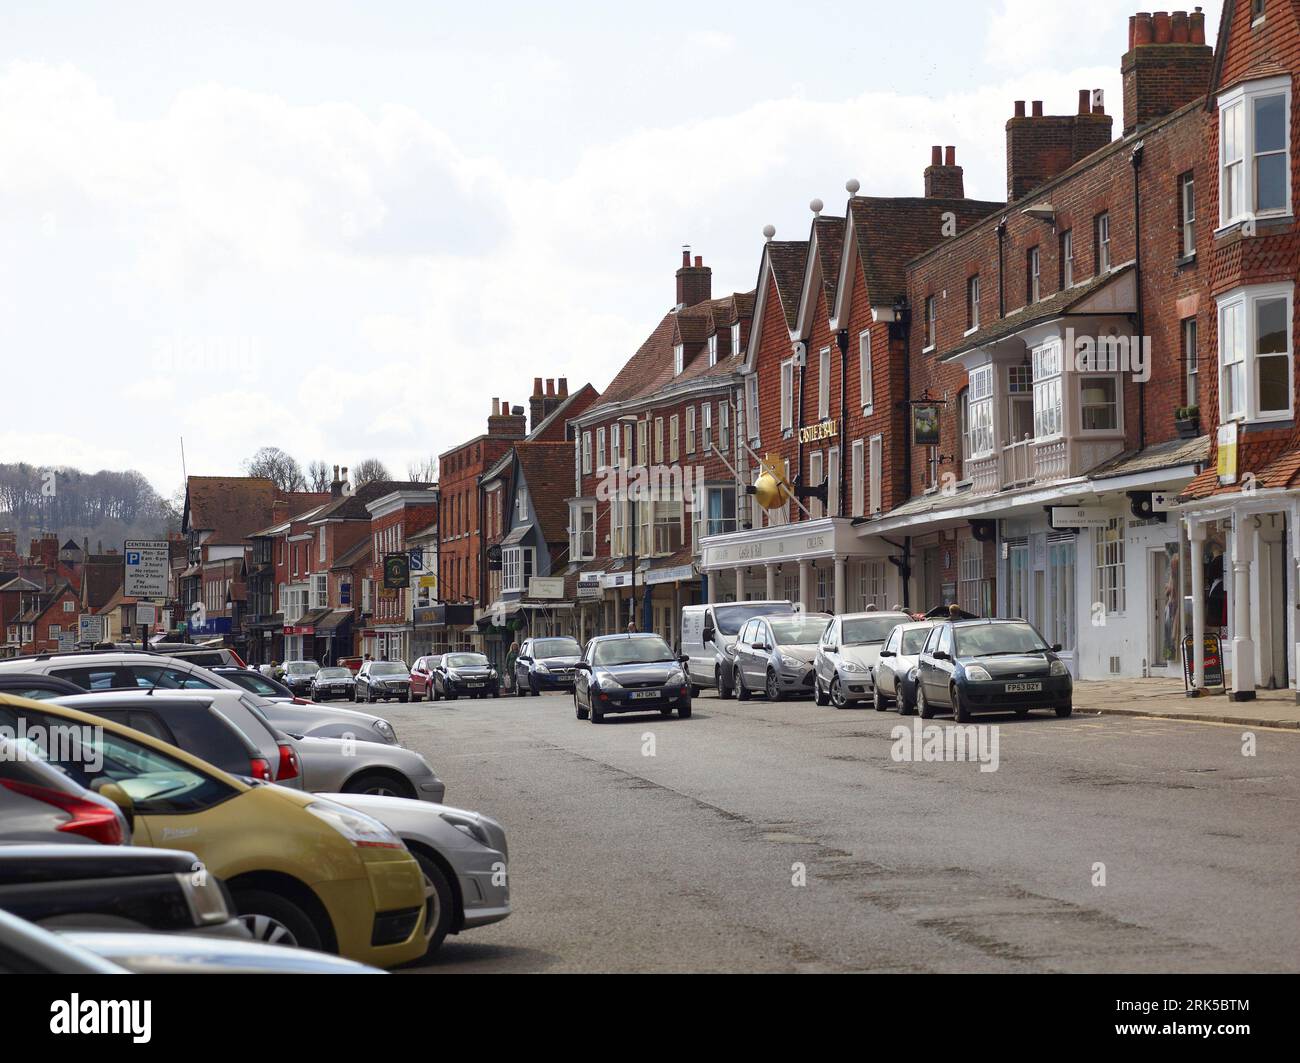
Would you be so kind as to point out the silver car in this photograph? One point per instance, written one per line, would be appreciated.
(895, 675)
(127, 670)
(463, 856)
(774, 654)
(847, 654)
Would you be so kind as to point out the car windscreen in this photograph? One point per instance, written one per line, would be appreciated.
(388, 668)
(464, 660)
(798, 630)
(913, 640)
(301, 667)
(632, 651)
(252, 681)
(983, 640)
(556, 648)
(333, 673)
(731, 618)
(867, 629)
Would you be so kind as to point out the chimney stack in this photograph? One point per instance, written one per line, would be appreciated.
(1168, 64)
(694, 283)
(505, 422)
(1041, 146)
(546, 401)
(943, 177)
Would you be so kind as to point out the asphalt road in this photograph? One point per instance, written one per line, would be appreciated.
(687, 860)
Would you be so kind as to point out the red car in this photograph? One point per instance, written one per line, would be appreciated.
(422, 676)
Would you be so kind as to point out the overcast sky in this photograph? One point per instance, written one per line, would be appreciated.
(341, 228)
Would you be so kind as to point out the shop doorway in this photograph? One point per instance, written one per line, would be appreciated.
(1164, 612)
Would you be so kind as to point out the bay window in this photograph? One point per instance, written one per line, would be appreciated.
(1255, 150)
(582, 531)
(1098, 403)
(1047, 390)
(516, 568)
(980, 404)
(1255, 353)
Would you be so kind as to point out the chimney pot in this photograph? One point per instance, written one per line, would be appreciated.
(537, 385)
(496, 407)
(1085, 101)
(563, 384)
(699, 261)
(1143, 33)
(950, 155)
(1038, 108)
(1020, 108)
(1180, 31)
(550, 388)
(1162, 27)
(686, 256)
(1196, 26)
(936, 155)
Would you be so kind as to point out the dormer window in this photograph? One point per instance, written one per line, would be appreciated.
(679, 359)
(713, 348)
(1254, 150)
(735, 338)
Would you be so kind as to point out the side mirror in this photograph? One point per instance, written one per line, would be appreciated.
(941, 655)
(582, 666)
(708, 635)
(1056, 647)
(832, 649)
(888, 653)
(114, 792)
(683, 660)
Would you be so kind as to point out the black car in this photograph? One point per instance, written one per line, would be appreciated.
(37, 687)
(630, 673)
(467, 674)
(972, 666)
(114, 886)
(546, 664)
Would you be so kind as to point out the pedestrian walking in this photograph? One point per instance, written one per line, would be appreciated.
(512, 655)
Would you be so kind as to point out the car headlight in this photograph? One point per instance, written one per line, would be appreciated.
(853, 666)
(540, 668)
(729, 650)
(1058, 668)
(469, 826)
(492, 674)
(386, 729)
(365, 832)
(788, 661)
(977, 674)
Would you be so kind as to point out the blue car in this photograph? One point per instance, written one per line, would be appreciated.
(630, 673)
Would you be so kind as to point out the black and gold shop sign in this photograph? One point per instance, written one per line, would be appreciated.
(397, 570)
(827, 429)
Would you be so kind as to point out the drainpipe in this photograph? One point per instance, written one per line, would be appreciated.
(1136, 160)
(842, 338)
(1002, 292)
(901, 328)
(798, 425)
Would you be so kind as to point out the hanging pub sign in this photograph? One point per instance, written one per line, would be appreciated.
(397, 571)
(1213, 661)
(494, 558)
(925, 424)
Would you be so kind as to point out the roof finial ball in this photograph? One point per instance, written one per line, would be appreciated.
(816, 207)
(769, 231)
(852, 185)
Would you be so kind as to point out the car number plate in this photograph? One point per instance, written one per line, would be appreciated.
(1024, 688)
(473, 684)
(638, 695)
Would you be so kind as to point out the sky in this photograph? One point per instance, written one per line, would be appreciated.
(343, 228)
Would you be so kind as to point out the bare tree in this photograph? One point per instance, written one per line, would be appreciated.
(423, 471)
(280, 468)
(369, 470)
(319, 476)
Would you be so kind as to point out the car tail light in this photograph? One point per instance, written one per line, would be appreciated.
(239, 661)
(260, 768)
(301, 701)
(89, 818)
(288, 762)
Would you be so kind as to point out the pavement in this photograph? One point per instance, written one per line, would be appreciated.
(757, 837)
(1167, 699)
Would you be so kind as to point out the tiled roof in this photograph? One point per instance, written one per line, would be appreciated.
(892, 231)
(830, 244)
(353, 506)
(787, 259)
(547, 469)
(230, 507)
(1282, 471)
(1167, 455)
(354, 555)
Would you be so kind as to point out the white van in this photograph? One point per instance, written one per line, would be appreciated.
(709, 638)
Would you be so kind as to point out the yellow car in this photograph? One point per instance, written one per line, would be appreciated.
(301, 870)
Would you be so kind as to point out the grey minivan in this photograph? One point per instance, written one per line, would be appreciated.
(774, 654)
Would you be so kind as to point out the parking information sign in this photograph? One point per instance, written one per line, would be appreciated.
(146, 568)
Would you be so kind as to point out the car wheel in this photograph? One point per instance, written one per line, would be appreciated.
(818, 696)
(533, 688)
(403, 698)
(960, 710)
(370, 697)
(837, 694)
(878, 699)
(415, 697)
(683, 712)
(519, 689)
(451, 695)
(439, 903)
(742, 691)
(596, 715)
(1021, 713)
(353, 697)
(906, 707)
(724, 692)
(773, 688)
(275, 920)
(433, 692)
(1064, 710)
(578, 710)
(695, 691)
(923, 706)
(665, 711)
(376, 785)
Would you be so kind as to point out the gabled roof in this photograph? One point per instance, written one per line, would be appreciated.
(353, 506)
(354, 555)
(787, 260)
(229, 507)
(572, 406)
(545, 468)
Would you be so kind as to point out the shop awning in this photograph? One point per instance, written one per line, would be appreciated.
(333, 621)
(517, 535)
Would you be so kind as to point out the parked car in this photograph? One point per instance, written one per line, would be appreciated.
(847, 654)
(382, 680)
(774, 655)
(201, 721)
(989, 666)
(468, 674)
(708, 639)
(114, 886)
(300, 869)
(422, 676)
(333, 682)
(546, 664)
(207, 656)
(257, 683)
(630, 673)
(121, 670)
(463, 856)
(141, 953)
(39, 803)
(894, 679)
(298, 676)
(37, 687)
(27, 949)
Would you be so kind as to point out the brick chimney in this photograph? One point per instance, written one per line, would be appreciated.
(694, 283)
(505, 423)
(943, 177)
(543, 403)
(1039, 146)
(1167, 65)
(336, 485)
